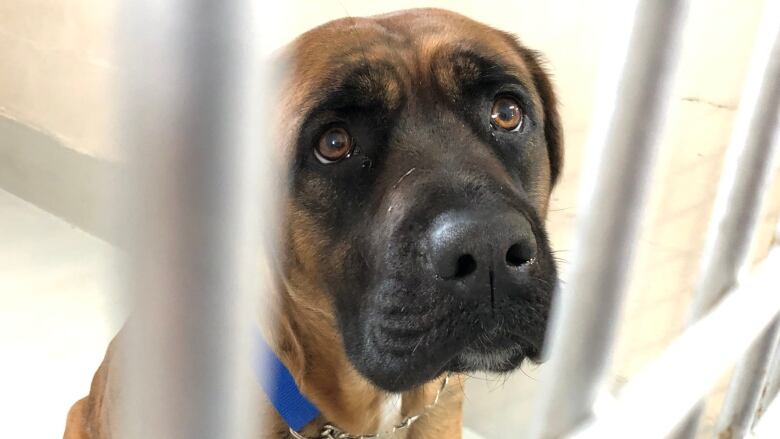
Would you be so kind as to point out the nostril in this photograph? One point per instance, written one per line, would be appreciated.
(520, 254)
(465, 266)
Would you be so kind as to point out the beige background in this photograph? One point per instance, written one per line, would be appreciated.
(57, 78)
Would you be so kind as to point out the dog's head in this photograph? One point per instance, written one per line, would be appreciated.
(423, 147)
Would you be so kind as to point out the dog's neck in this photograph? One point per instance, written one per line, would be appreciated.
(307, 341)
(310, 346)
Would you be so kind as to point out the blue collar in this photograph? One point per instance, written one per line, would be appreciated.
(280, 387)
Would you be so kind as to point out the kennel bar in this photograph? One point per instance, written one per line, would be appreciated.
(190, 119)
(768, 406)
(585, 316)
(745, 178)
(742, 398)
(751, 378)
(693, 363)
(770, 390)
(768, 425)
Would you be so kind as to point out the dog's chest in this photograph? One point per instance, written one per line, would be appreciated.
(390, 412)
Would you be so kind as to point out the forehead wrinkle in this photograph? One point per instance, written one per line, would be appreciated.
(502, 50)
(453, 68)
(473, 66)
(369, 82)
(374, 69)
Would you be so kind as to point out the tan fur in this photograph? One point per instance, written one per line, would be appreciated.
(306, 336)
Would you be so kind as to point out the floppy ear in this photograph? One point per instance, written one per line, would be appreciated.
(553, 132)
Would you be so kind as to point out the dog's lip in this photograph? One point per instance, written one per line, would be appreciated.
(491, 331)
(496, 360)
(431, 367)
(515, 341)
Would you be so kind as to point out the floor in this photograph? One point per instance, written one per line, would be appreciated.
(55, 317)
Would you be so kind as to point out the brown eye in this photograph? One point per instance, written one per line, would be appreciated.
(334, 145)
(506, 113)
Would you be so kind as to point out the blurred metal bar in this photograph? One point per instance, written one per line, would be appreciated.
(587, 306)
(744, 180)
(768, 400)
(693, 363)
(745, 387)
(750, 378)
(191, 122)
(769, 393)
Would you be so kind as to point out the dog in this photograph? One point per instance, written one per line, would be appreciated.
(421, 149)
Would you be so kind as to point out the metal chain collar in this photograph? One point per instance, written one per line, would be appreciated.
(330, 431)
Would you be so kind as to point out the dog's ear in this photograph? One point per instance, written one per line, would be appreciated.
(553, 132)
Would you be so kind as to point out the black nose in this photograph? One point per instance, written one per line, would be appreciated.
(482, 250)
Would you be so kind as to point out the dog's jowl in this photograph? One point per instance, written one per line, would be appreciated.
(421, 148)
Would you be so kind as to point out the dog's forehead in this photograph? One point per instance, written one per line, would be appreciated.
(386, 54)
(415, 43)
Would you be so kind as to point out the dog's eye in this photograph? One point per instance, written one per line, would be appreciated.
(506, 113)
(334, 145)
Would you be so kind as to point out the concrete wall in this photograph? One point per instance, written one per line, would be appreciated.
(57, 70)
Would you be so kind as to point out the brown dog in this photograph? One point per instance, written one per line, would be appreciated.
(422, 148)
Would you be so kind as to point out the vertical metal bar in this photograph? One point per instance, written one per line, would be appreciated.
(750, 378)
(769, 424)
(190, 121)
(693, 362)
(745, 387)
(771, 387)
(588, 305)
(745, 178)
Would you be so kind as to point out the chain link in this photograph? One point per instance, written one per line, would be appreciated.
(330, 431)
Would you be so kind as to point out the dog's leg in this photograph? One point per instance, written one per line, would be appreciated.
(88, 419)
(74, 427)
